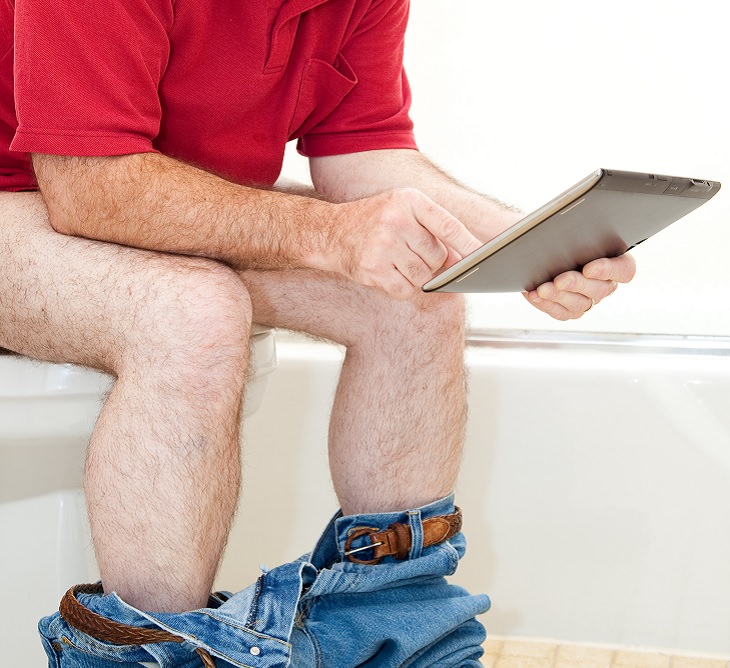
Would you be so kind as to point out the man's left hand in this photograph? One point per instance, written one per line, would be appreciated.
(573, 293)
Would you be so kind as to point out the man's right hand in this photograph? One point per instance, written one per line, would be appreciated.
(396, 241)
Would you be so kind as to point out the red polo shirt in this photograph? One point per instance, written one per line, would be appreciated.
(221, 84)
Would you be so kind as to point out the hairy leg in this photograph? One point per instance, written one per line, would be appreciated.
(397, 425)
(163, 468)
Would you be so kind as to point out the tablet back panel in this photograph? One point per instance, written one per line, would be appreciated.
(605, 215)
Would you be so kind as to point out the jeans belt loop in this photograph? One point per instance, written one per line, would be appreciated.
(416, 526)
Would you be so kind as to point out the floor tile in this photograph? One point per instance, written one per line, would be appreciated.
(489, 661)
(529, 649)
(624, 659)
(493, 646)
(505, 652)
(582, 656)
(522, 662)
(693, 662)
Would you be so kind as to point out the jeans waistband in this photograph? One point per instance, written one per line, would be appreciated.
(254, 627)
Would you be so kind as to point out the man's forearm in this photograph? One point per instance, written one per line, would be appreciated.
(347, 177)
(153, 202)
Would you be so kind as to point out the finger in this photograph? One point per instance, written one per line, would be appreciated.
(397, 274)
(620, 269)
(397, 285)
(429, 250)
(452, 258)
(548, 306)
(445, 227)
(574, 302)
(413, 269)
(576, 282)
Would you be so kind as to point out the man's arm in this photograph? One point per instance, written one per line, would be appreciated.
(151, 201)
(395, 240)
(346, 177)
(568, 296)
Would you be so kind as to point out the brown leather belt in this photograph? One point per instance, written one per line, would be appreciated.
(397, 539)
(81, 618)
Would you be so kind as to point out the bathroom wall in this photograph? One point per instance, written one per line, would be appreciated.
(521, 99)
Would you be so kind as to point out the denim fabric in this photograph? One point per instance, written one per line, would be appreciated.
(389, 615)
(251, 628)
(317, 612)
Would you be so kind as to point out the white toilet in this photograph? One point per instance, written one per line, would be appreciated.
(47, 413)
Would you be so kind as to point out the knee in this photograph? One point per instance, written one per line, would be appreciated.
(425, 322)
(444, 314)
(194, 321)
(439, 318)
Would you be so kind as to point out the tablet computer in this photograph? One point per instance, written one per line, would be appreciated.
(604, 215)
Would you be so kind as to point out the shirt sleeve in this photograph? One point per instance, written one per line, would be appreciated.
(87, 74)
(375, 113)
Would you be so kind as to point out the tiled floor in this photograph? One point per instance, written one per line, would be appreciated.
(517, 653)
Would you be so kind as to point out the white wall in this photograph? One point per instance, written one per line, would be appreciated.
(520, 99)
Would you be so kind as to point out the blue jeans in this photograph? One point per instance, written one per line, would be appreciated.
(321, 611)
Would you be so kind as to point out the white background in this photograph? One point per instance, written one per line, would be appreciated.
(521, 99)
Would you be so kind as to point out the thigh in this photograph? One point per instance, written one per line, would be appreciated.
(66, 299)
(330, 306)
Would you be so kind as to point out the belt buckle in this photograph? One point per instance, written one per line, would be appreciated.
(354, 534)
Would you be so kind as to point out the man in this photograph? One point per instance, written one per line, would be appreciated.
(141, 235)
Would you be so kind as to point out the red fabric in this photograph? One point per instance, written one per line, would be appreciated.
(219, 84)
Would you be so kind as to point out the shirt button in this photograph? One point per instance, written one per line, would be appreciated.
(255, 651)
